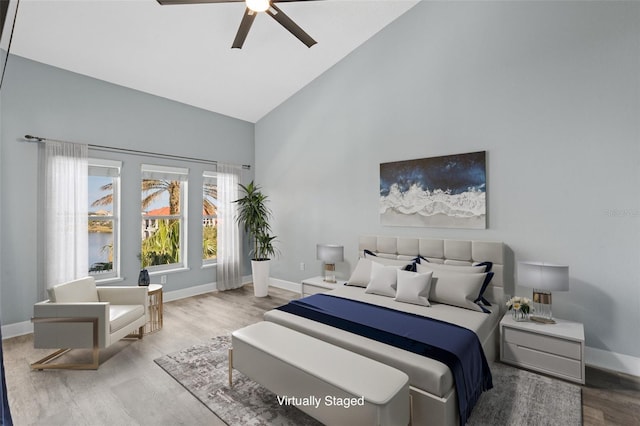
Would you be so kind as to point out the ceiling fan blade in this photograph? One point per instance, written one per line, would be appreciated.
(291, 26)
(245, 26)
(173, 2)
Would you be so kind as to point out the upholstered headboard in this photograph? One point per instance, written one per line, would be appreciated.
(452, 252)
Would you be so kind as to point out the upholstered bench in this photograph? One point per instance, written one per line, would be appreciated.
(331, 384)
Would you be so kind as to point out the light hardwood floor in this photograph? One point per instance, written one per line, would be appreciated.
(130, 389)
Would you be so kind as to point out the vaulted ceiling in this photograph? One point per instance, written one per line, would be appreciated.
(184, 53)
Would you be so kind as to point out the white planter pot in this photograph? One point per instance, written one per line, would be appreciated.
(260, 272)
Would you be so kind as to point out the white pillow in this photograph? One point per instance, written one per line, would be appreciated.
(476, 268)
(383, 280)
(457, 289)
(361, 274)
(386, 261)
(413, 287)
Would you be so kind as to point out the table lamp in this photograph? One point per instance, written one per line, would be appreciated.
(543, 278)
(330, 254)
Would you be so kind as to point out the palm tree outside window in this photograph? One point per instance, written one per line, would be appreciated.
(164, 217)
(209, 218)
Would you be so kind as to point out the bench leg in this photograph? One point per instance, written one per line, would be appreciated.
(410, 409)
(230, 367)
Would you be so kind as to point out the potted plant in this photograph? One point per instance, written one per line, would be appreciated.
(254, 216)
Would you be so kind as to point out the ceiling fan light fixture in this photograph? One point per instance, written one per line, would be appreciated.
(258, 5)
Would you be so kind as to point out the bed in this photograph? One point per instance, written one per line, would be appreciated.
(432, 385)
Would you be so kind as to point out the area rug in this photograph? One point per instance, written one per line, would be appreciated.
(518, 397)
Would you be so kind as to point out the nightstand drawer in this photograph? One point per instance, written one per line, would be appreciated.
(543, 344)
(543, 361)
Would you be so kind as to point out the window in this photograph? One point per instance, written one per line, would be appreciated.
(209, 218)
(164, 217)
(104, 218)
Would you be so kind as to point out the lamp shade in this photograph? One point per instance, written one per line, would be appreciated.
(258, 5)
(543, 276)
(330, 253)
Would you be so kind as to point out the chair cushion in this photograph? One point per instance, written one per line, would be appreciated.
(122, 315)
(76, 291)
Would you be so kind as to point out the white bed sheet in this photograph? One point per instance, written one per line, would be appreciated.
(424, 373)
(480, 323)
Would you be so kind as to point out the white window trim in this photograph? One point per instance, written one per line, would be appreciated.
(149, 171)
(116, 166)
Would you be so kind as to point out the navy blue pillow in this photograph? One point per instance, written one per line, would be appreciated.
(487, 265)
(484, 310)
(419, 259)
(481, 298)
(411, 267)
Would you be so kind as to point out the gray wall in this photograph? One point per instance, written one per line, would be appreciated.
(549, 89)
(45, 101)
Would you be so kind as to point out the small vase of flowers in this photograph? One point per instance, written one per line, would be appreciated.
(520, 308)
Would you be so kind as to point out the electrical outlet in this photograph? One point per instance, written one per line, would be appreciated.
(302, 266)
(163, 279)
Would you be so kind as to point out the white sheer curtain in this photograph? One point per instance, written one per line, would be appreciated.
(65, 213)
(228, 263)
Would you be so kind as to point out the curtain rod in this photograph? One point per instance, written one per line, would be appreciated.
(31, 138)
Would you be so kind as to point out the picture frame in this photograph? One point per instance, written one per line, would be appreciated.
(444, 192)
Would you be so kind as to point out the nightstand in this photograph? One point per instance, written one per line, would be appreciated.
(317, 285)
(553, 349)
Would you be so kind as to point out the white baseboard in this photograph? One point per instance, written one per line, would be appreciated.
(183, 293)
(17, 329)
(196, 290)
(286, 285)
(612, 361)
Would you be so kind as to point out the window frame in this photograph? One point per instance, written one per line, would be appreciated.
(208, 177)
(169, 173)
(113, 169)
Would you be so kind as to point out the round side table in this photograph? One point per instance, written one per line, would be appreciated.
(154, 323)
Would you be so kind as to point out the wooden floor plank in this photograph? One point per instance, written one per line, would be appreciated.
(129, 388)
(610, 398)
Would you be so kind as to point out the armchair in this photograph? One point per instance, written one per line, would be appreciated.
(80, 315)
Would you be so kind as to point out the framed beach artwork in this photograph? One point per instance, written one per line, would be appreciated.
(442, 192)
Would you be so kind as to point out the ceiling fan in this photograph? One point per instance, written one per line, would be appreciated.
(253, 8)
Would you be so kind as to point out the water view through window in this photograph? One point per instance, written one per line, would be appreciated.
(101, 224)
